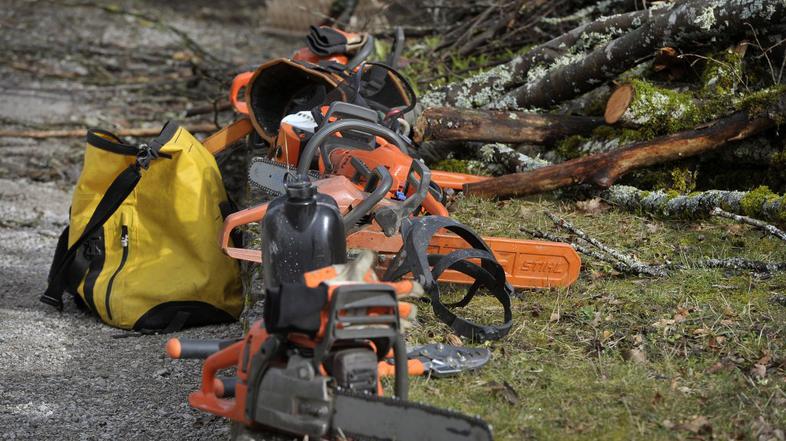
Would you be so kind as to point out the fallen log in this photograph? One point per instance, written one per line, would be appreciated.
(760, 203)
(452, 124)
(686, 26)
(603, 169)
(79, 133)
(483, 89)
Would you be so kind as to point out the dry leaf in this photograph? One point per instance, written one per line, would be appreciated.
(652, 228)
(667, 424)
(554, 317)
(699, 424)
(453, 339)
(506, 390)
(592, 206)
(638, 339)
(636, 355)
(716, 341)
(759, 370)
(606, 335)
(681, 314)
(700, 332)
(717, 367)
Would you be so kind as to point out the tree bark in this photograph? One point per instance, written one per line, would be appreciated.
(452, 124)
(604, 169)
(757, 204)
(686, 25)
(484, 88)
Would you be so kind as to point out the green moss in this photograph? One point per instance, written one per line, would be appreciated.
(605, 132)
(683, 180)
(662, 110)
(723, 75)
(753, 201)
(632, 135)
(452, 165)
(671, 194)
(758, 101)
(568, 148)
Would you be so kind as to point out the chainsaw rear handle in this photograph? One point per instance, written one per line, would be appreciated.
(224, 387)
(240, 81)
(344, 124)
(178, 348)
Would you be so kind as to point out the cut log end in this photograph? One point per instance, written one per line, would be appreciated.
(618, 103)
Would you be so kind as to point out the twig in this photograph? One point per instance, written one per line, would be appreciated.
(633, 263)
(619, 266)
(738, 263)
(78, 133)
(772, 229)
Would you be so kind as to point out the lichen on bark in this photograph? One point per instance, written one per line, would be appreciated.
(759, 203)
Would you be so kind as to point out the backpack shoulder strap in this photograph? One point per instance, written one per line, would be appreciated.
(114, 196)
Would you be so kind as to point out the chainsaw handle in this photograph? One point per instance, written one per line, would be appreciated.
(384, 183)
(185, 348)
(234, 220)
(415, 368)
(240, 81)
(345, 124)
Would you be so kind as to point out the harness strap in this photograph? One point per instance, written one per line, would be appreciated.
(426, 268)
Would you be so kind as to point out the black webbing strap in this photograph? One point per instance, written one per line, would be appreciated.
(61, 273)
(426, 269)
(122, 186)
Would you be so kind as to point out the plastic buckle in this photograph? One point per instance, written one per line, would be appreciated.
(145, 155)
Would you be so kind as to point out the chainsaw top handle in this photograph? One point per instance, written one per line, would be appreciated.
(379, 176)
(345, 124)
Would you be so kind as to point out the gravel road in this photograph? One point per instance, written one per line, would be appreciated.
(65, 376)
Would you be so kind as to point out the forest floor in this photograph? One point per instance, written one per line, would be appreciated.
(699, 354)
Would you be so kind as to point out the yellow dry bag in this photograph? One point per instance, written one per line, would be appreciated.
(141, 249)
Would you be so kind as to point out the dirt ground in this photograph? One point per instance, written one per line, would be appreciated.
(106, 64)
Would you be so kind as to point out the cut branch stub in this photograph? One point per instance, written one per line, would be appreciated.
(618, 103)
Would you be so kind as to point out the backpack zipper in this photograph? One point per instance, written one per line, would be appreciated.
(124, 244)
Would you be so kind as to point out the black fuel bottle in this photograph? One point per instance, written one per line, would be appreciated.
(301, 231)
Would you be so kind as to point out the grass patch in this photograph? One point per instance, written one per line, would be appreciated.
(623, 357)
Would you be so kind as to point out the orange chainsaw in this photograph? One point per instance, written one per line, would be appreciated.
(314, 366)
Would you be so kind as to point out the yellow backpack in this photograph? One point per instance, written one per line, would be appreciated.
(141, 250)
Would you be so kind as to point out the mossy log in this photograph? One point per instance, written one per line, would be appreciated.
(760, 203)
(687, 25)
(603, 169)
(452, 124)
(662, 110)
(482, 89)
